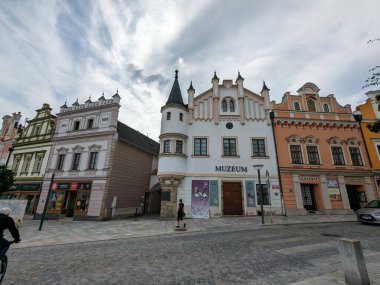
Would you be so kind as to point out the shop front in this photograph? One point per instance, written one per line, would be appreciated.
(69, 199)
(24, 191)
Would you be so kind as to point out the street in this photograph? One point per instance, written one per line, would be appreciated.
(277, 254)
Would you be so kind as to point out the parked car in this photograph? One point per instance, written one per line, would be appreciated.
(370, 213)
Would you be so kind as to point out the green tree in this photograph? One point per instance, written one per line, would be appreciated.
(6, 178)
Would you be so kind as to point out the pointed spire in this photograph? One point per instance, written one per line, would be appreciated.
(239, 77)
(102, 98)
(215, 77)
(76, 103)
(191, 88)
(88, 100)
(116, 94)
(175, 96)
(64, 105)
(265, 88)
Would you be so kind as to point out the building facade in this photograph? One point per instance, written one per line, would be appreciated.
(8, 133)
(29, 158)
(98, 167)
(322, 157)
(209, 147)
(368, 114)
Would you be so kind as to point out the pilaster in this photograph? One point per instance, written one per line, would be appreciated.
(343, 192)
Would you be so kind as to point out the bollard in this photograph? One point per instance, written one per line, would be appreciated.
(354, 267)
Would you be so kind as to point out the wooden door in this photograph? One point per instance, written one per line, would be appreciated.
(232, 198)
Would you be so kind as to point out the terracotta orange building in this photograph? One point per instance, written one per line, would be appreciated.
(369, 112)
(322, 159)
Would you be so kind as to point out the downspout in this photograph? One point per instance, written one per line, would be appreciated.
(278, 165)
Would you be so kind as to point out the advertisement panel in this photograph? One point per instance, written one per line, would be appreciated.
(334, 192)
(200, 199)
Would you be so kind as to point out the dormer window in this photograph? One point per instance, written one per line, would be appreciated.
(76, 125)
(232, 106)
(326, 108)
(311, 105)
(297, 106)
(224, 105)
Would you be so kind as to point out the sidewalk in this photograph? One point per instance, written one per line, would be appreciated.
(66, 231)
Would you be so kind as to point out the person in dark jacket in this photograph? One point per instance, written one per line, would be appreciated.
(180, 213)
(7, 222)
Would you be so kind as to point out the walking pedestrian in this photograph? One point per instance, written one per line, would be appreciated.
(180, 213)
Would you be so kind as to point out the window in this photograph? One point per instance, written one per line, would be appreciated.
(311, 105)
(167, 146)
(200, 146)
(26, 164)
(168, 115)
(337, 155)
(258, 146)
(266, 196)
(224, 105)
(181, 117)
(38, 162)
(297, 106)
(326, 108)
(76, 161)
(178, 146)
(296, 154)
(76, 125)
(36, 130)
(61, 161)
(229, 147)
(90, 123)
(356, 156)
(378, 148)
(93, 160)
(16, 164)
(312, 154)
(232, 106)
(82, 200)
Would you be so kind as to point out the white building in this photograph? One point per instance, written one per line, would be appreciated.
(208, 149)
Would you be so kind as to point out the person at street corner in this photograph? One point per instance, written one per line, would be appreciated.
(180, 213)
(7, 222)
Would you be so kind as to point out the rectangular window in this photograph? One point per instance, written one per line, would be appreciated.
(356, 156)
(200, 146)
(229, 147)
(168, 115)
(266, 195)
(76, 125)
(296, 154)
(26, 164)
(93, 160)
(76, 161)
(38, 163)
(90, 123)
(338, 157)
(258, 147)
(178, 146)
(181, 117)
(378, 148)
(312, 154)
(167, 146)
(16, 164)
(61, 161)
(36, 130)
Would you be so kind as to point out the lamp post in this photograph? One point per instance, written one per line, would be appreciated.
(258, 167)
(47, 200)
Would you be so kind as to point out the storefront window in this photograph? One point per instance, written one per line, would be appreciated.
(56, 200)
(82, 200)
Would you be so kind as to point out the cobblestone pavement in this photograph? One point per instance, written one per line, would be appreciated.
(280, 254)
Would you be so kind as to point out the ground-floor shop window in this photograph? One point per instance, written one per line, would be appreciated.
(56, 200)
(266, 196)
(83, 200)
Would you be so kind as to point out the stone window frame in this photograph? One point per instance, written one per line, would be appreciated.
(25, 167)
(295, 104)
(176, 146)
(336, 142)
(18, 158)
(354, 143)
(36, 167)
(324, 108)
(77, 150)
(295, 140)
(265, 147)
(166, 146)
(200, 149)
(312, 141)
(93, 149)
(237, 155)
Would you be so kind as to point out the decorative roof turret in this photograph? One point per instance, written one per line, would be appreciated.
(64, 105)
(116, 95)
(215, 77)
(239, 77)
(76, 103)
(88, 100)
(102, 98)
(265, 88)
(175, 96)
(191, 88)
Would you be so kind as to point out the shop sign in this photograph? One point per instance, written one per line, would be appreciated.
(333, 188)
(63, 186)
(83, 186)
(54, 186)
(309, 178)
(14, 187)
(276, 187)
(356, 180)
(231, 168)
(30, 187)
(74, 186)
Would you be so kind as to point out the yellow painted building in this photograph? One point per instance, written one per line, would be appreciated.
(369, 114)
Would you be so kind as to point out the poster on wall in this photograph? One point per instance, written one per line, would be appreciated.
(17, 209)
(200, 199)
(334, 192)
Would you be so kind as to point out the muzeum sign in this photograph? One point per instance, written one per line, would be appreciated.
(231, 168)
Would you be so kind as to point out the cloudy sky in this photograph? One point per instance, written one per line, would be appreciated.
(53, 51)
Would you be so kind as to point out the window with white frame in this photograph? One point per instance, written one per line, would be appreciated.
(356, 156)
(312, 154)
(296, 154)
(224, 105)
(326, 108)
(76, 161)
(229, 147)
(232, 106)
(38, 162)
(61, 161)
(258, 148)
(26, 164)
(178, 146)
(200, 146)
(16, 163)
(93, 160)
(337, 153)
(90, 123)
(76, 125)
(166, 146)
(297, 106)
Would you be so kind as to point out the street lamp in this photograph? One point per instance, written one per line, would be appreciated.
(258, 167)
(47, 200)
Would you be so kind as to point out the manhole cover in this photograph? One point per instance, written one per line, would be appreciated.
(331, 235)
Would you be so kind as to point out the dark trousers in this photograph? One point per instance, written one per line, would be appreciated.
(4, 246)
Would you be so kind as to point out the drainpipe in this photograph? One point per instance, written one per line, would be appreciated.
(278, 165)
